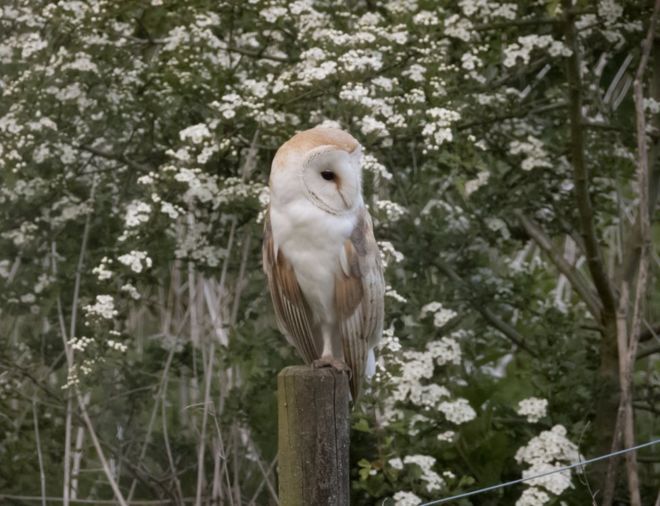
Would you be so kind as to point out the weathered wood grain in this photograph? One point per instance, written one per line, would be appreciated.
(313, 437)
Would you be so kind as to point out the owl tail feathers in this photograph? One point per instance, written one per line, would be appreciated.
(370, 370)
(357, 383)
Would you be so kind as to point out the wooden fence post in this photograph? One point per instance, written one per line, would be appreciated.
(313, 437)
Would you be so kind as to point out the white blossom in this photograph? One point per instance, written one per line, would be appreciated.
(392, 211)
(427, 395)
(460, 28)
(441, 315)
(101, 271)
(136, 260)
(195, 134)
(447, 436)
(391, 292)
(82, 63)
(388, 251)
(137, 213)
(610, 10)
(80, 343)
(406, 499)
(533, 497)
(445, 351)
(371, 164)
(389, 341)
(458, 411)
(396, 463)
(473, 185)
(549, 446)
(370, 125)
(5, 268)
(548, 451)
(361, 60)
(533, 150)
(555, 483)
(146, 179)
(533, 408)
(415, 73)
(170, 210)
(438, 129)
(116, 345)
(652, 105)
(131, 290)
(104, 307)
(272, 14)
(433, 480)
(521, 50)
(28, 298)
(425, 18)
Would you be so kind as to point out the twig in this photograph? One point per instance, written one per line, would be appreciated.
(77, 455)
(209, 371)
(99, 451)
(238, 287)
(580, 171)
(68, 352)
(650, 350)
(192, 280)
(236, 447)
(69, 355)
(42, 475)
(263, 482)
(509, 332)
(115, 156)
(642, 273)
(265, 473)
(516, 23)
(260, 55)
(223, 455)
(90, 501)
(166, 438)
(652, 330)
(202, 443)
(152, 420)
(580, 284)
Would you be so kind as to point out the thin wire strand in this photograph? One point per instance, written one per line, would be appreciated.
(582, 463)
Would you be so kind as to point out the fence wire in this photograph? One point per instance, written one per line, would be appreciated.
(579, 464)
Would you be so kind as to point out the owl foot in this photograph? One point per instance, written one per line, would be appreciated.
(333, 362)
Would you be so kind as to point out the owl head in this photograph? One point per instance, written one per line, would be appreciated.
(322, 166)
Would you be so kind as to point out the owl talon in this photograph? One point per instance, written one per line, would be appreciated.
(333, 362)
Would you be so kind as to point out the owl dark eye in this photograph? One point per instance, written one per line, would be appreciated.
(328, 175)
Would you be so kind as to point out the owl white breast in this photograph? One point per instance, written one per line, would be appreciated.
(320, 255)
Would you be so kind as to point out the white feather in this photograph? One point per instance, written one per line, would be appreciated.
(311, 219)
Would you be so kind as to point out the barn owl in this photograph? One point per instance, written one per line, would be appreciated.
(319, 253)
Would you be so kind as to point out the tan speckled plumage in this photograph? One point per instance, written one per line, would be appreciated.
(320, 255)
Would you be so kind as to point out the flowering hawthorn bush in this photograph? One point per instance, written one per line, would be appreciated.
(139, 355)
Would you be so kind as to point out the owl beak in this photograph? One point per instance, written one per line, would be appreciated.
(346, 202)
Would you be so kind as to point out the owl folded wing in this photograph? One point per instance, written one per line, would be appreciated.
(292, 312)
(359, 291)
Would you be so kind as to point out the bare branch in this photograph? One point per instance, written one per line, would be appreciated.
(579, 283)
(580, 170)
(650, 332)
(42, 474)
(111, 502)
(70, 363)
(628, 340)
(118, 157)
(649, 350)
(509, 332)
(159, 397)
